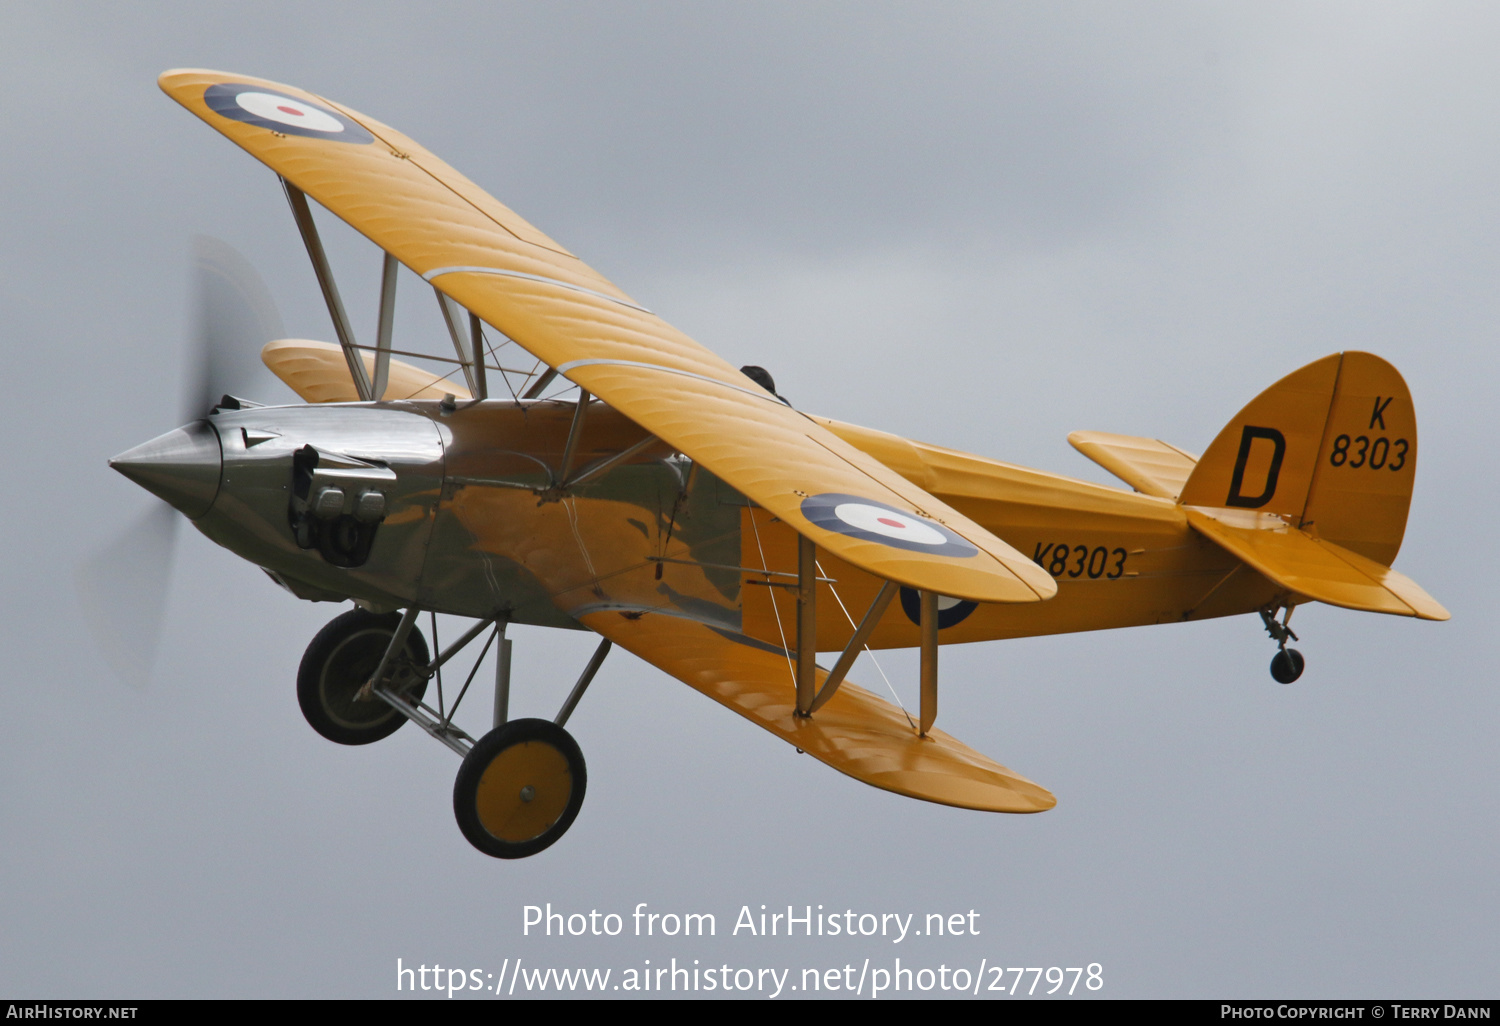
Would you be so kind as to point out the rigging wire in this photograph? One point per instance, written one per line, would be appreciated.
(868, 651)
(490, 350)
(772, 595)
(448, 720)
(434, 381)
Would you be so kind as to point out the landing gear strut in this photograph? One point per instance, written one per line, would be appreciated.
(1287, 664)
(520, 786)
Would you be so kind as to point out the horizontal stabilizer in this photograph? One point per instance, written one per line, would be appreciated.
(1313, 567)
(856, 733)
(1150, 466)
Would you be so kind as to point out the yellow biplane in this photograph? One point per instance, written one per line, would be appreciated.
(678, 507)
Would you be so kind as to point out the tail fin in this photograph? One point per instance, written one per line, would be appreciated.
(1331, 447)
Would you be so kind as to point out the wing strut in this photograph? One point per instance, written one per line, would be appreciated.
(469, 352)
(309, 229)
(929, 602)
(476, 349)
(385, 325)
(575, 432)
(809, 697)
(602, 464)
(856, 645)
(542, 382)
(807, 624)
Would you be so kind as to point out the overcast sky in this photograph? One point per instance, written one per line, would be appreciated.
(980, 225)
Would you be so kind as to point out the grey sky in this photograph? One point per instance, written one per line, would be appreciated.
(979, 225)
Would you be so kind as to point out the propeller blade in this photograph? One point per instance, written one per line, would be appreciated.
(123, 591)
(123, 586)
(234, 317)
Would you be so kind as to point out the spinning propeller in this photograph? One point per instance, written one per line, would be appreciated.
(123, 587)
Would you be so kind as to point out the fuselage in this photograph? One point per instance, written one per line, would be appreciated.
(448, 506)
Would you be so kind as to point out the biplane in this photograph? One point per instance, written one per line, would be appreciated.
(677, 507)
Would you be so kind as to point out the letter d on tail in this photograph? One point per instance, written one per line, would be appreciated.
(1264, 459)
(1248, 437)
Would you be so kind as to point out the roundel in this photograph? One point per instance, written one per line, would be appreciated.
(281, 113)
(875, 521)
(950, 610)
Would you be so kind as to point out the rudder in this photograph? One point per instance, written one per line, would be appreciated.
(1331, 447)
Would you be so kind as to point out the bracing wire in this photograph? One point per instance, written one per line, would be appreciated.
(868, 651)
(470, 679)
(791, 672)
(489, 350)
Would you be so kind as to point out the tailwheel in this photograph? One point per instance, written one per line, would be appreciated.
(519, 788)
(1287, 665)
(340, 661)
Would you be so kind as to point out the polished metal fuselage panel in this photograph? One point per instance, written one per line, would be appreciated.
(464, 528)
(497, 543)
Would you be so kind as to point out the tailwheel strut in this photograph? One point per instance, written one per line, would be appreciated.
(1288, 663)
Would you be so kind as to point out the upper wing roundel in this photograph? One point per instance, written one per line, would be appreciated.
(279, 112)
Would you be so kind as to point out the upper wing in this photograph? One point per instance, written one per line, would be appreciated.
(1150, 466)
(479, 252)
(318, 373)
(855, 733)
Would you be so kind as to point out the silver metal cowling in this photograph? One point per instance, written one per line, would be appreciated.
(394, 449)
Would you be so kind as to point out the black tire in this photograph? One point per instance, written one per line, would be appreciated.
(519, 788)
(1287, 665)
(337, 664)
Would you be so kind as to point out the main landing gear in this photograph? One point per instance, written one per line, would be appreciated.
(520, 785)
(340, 661)
(519, 788)
(1287, 664)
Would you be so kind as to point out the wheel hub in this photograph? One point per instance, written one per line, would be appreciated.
(516, 814)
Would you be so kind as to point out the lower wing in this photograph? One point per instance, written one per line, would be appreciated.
(856, 733)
